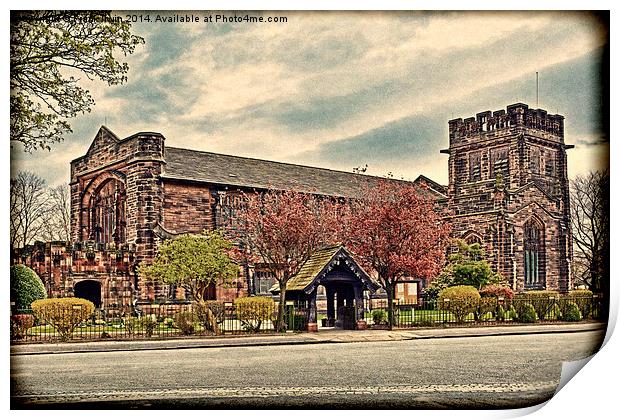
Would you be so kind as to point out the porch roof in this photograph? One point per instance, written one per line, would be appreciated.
(319, 264)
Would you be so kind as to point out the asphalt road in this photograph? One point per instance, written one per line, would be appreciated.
(484, 372)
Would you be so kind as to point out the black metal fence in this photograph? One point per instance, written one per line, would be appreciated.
(485, 311)
(155, 321)
(228, 318)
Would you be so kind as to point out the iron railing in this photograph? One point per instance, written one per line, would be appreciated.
(155, 321)
(486, 311)
(228, 318)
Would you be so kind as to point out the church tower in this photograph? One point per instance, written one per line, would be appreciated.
(508, 191)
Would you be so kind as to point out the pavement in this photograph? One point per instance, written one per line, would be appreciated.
(324, 336)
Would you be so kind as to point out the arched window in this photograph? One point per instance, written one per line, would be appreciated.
(107, 213)
(534, 258)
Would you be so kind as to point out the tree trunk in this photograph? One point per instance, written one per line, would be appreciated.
(280, 325)
(390, 299)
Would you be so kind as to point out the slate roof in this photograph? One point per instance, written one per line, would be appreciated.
(319, 263)
(193, 165)
(315, 264)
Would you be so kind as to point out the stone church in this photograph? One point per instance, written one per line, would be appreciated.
(508, 191)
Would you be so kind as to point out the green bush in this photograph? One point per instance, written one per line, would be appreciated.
(379, 317)
(501, 313)
(554, 312)
(148, 323)
(26, 287)
(459, 300)
(253, 311)
(186, 322)
(571, 313)
(541, 300)
(168, 322)
(527, 314)
(584, 300)
(63, 314)
(485, 305)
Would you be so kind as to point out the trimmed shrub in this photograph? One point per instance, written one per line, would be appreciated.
(252, 311)
(527, 314)
(581, 293)
(497, 291)
(210, 314)
(63, 314)
(554, 312)
(461, 301)
(501, 313)
(571, 313)
(148, 323)
(541, 300)
(380, 317)
(584, 300)
(20, 324)
(485, 305)
(186, 322)
(26, 287)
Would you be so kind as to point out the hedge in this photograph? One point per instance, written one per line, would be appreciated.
(527, 314)
(461, 301)
(252, 311)
(26, 287)
(571, 313)
(541, 300)
(64, 314)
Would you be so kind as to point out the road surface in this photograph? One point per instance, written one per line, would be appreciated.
(483, 372)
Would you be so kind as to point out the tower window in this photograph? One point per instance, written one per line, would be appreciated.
(499, 163)
(534, 255)
(475, 172)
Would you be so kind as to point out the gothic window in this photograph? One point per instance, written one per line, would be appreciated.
(534, 160)
(499, 162)
(534, 251)
(475, 166)
(108, 213)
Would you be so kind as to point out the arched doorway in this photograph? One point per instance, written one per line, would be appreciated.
(89, 290)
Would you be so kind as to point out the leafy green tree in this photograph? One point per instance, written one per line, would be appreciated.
(50, 50)
(26, 287)
(193, 262)
(466, 267)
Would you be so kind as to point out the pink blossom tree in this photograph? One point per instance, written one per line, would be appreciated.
(396, 230)
(283, 229)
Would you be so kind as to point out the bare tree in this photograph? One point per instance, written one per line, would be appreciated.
(29, 208)
(590, 220)
(58, 224)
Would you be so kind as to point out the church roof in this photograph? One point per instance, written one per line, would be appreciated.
(197, 166)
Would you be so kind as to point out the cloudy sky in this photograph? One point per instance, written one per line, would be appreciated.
(344, 89)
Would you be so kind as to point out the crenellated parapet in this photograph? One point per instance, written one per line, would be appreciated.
(515, 116)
